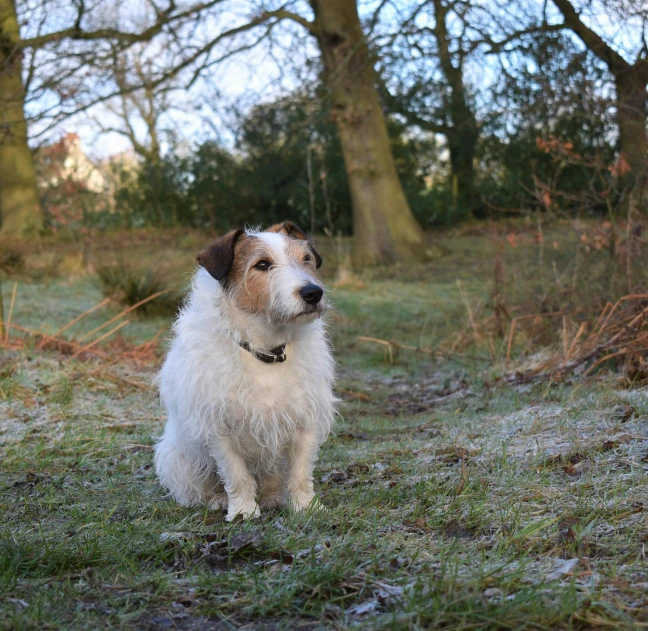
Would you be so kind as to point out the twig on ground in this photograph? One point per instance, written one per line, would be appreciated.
(99, 339)
(122, 314)
(103, 303)
(354, 394)
(63, 346)
(391, 345)
(626, 334)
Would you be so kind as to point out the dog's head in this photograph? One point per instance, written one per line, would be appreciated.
(271, 273)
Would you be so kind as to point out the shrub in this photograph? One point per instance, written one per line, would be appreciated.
(129, 285)
(12, 258)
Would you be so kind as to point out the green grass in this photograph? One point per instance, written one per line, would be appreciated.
(509, 508)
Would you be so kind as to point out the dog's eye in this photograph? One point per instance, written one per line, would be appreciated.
(263, 265)
(307, 258)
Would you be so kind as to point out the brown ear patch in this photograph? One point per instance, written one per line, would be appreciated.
(295, 232)
(290, 229)
(218, 258)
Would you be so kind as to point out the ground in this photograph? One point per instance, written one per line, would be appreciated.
(453, 500)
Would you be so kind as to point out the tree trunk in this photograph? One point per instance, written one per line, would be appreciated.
(384, 229)
(463, 134)
(631, 118)
(462, 143)
(20, 211)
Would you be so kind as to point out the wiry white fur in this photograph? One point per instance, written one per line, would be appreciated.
(235, 424)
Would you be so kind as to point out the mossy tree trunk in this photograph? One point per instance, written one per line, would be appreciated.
(20, 211)
(384, 229)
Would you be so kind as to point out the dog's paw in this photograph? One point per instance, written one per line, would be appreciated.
(248, 510)
(218, 502)
(274, 500)
(306, 501)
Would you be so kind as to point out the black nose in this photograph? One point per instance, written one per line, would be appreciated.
(312, 294)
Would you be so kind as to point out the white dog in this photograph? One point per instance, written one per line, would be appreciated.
(248, 381)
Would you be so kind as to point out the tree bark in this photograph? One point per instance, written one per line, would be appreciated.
(631, 118)
(462, 143)
(20, 211)
(384, 230)
(463, 133)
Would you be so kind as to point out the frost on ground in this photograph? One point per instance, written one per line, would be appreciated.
(449, 504)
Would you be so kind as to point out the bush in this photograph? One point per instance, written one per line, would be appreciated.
(12, 258)
(129, 285)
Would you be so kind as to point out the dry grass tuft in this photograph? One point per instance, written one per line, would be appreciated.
(12, 257)
(129, 285)
(618, 340)
(88, 345)
(347, 279)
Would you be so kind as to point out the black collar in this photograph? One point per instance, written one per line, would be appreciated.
(273, 356)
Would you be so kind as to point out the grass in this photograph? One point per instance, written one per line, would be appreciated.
(509, 508)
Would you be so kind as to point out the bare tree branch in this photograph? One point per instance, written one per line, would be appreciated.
(76, 33)
(592, 40)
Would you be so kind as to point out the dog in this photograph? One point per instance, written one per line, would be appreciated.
(248, 380)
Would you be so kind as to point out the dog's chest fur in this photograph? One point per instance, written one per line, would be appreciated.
(269, 403)
(228, 391)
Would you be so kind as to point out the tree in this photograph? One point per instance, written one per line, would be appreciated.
(551, 97)
(135, 113)
(384, 228)
(19, 203)
(438, 99)
(630, 80)
(59, 61)
(141, 102)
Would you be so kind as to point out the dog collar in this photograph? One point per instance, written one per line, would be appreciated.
(273, 356)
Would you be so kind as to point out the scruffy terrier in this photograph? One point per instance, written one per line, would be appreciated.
(248, 381)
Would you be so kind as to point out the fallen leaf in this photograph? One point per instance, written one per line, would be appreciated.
(335, 476)
(623, 413)
(454, 530)
(571, 471)
(452, 455)
(357, 467)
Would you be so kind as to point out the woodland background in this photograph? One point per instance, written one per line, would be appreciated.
(378, 119)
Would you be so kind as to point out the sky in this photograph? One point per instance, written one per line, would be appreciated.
(202, 112)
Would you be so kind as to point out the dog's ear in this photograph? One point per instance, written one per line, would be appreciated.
(218, 258)
(294, 231)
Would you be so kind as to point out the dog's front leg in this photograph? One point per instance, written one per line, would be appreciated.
(240, 486)
(301, 459)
